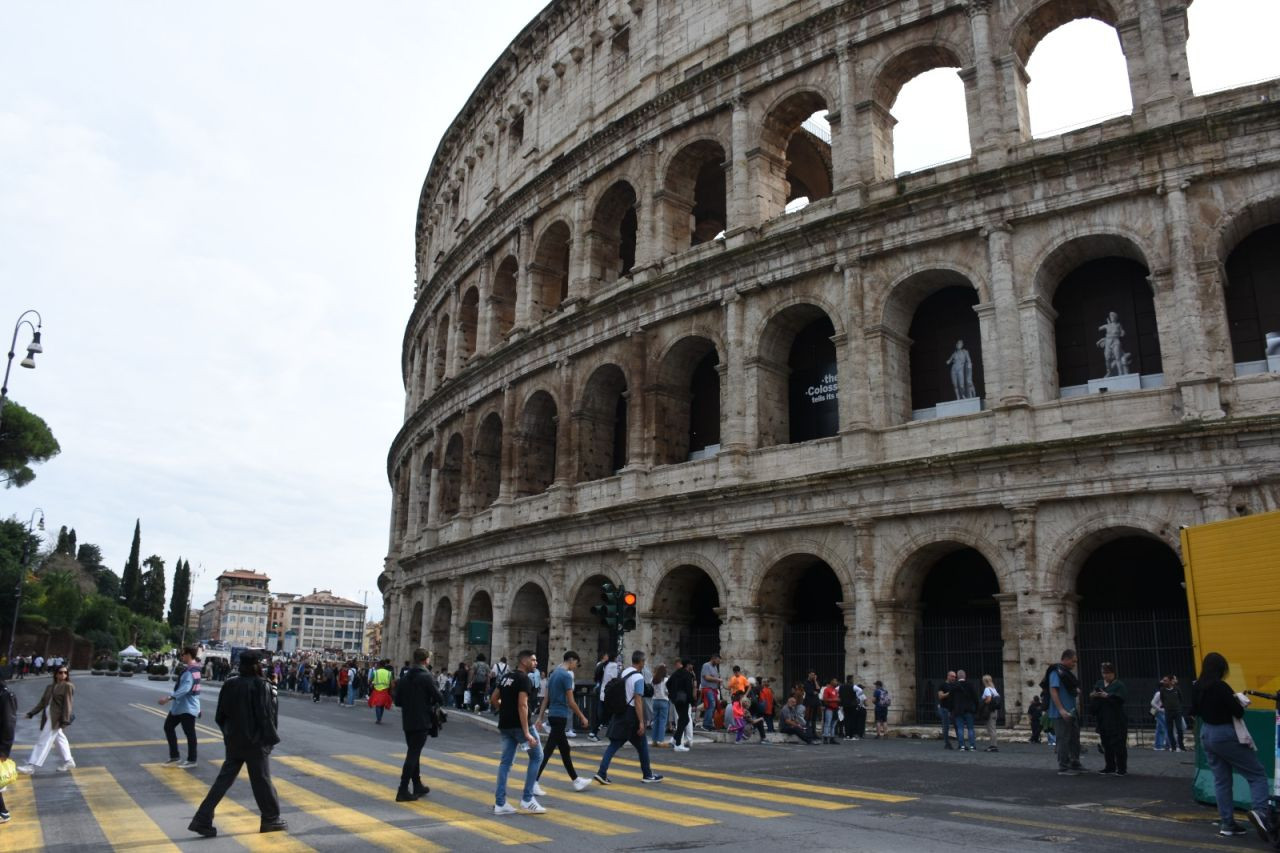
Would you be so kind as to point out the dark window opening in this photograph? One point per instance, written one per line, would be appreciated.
(1085, 301)
(1253, 295)
(620, 434)
(709, 204)
(627, 242)
(704, 406)
(938, 365)
(516, 133)
(814, 389)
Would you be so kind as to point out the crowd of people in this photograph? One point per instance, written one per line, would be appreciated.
(32, 664)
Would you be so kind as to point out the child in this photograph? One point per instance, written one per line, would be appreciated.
(737, 718)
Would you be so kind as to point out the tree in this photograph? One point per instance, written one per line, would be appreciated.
(131, 580)
(108, 583)
(71, 543)
(181, 592)
(25, 439)
(61, 547)
(16, 545)
(90, 556)
(62, 599)
(152, 589)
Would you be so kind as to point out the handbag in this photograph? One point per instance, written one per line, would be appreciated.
(1242, 733)
(8, 772)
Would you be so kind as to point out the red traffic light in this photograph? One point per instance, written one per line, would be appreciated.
(629, 599)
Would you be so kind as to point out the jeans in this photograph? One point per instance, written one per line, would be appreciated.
(351, 694)
(829, 717)
(1177, 727)
(636, 739)
(410, 772)
(259, 779)
(511, 740)
(377, 712)
(1224, 754)
(709, 697)
(1162, 731)
(558, 740)
(661, 710)
(964, 723)
(1067, 731)
(944, 714)
(188, 723)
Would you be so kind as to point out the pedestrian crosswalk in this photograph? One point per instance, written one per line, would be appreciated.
(333, 801)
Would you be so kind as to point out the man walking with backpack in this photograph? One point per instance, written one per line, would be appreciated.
(1064, 689)
(624, 699)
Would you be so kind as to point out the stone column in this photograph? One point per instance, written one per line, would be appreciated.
(524, 280)
(487, 326)
(845, 154)
(896, 634)
(862, 629)
(579, 249)
(741, 212)
(1159, 105)
(500, 637)
(1198, 384)
(1010, 352)
(648, 241)
(852, 660)
(413, 470)
(987, 125)
(639, 439)
(1215, 503)
(736, 436)
(560, 633)
(1037, 318)
(508, 462)
(1010, 659)
(433, 496)
(854, 394)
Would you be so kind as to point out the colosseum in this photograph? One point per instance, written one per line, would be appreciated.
(672, 331)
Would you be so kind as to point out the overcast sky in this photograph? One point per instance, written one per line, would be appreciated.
(213, 209)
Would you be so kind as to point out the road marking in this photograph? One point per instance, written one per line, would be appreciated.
(651, 792)
(506, 835)
(115, 744)
(233, 818)
(120, 818)
(780, 783)
(1084, 830)
(363, 826)
(656, 815)
(23, 832)
(553, 815)
(200, 727)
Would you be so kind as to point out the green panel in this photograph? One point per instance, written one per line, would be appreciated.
(478, 633)
(1262, 725)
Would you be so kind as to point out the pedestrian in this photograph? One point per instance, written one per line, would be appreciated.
(353, 679)
(880, 696)
(512, 698)
(610, 671)
(989, 710)
(248, 715)
(812, 703)
(8, 725)
(1034, 712)
(944, 709)
(680, 687)
(593, 698)
(380, 696)
(709, 684)
(419, 700)
(1174, 722)
(661, 705)
(343, 674)
(479, 684)
(792, 721)
(559, 705)
(499, 671)
(767, 704)
(964, 703)
(56, 713)
(627, 724)
(1157, 711)
(1064, 689)
(184, 707)
(1107, 704)
(1223, 736)
(737, 681)
(831, 710)
(461, 679)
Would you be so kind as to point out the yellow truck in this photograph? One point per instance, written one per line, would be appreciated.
(1232, 572)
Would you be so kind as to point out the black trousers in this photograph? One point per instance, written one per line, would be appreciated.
(557, 740)
(264, 793)
(414, 741)
(1035, 730)
(188, 723)
(682, 719)
(1115, 748)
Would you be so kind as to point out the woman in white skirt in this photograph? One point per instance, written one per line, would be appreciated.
(55, 715)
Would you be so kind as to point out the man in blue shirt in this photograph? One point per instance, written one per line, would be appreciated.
(559, 703)
(1064, 689)
(184, 710)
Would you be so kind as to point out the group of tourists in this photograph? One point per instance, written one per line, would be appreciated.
(33, 664)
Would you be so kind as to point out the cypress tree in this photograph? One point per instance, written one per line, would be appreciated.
(181, 591)
(153, 588)
(71, 543)
(131, 580)
(61, 547)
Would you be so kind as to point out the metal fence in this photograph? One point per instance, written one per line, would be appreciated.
(817, 647)
(698, 643)
(970, 641)
(1144, 644)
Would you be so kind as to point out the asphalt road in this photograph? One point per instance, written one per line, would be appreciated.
(336, 773)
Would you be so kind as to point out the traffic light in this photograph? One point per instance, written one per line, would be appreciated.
(628, 611)
(610, 608)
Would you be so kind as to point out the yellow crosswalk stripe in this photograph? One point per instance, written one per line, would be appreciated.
(116, 744)
(120, 818)
(364, 827)
(232, 818)
(22, 833)
(506, 835)
(789, 785)
(200, 727)
(553, 814)
(656, 815)
(651, 792)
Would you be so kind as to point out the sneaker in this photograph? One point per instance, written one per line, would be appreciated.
(681, 748)
(537, 790)
(570, 734)
(66, 765)
(651, 779)
(171, 762)
(275, 824)
(4, 817)
(582, 783)
(531, 806)
(602, 779)
(504, 809)
(1232, 830)
(27, 768)
(593, 736)
(208, 830)
(1262, 824)
(185, 764)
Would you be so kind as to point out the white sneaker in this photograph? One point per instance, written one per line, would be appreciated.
(531, 806)
(66, 765)
(28, 769)
(537, 790)
(680, 749)
(504, 809)
(571, 734)
(184, 764)
(582, 783)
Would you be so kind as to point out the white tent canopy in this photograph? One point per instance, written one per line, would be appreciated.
(131, 651)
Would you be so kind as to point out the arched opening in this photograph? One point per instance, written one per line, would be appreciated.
(1133, 613)
(959, 626)
(550, 271)
(415, 626)
(530, 625)
(440, 623)
(797, 380)
(479, 627)
(694, 196)
(451, 478)
(685, 617)
(1252, 296)
(930, 121)
(612, 240)
(602, 424)
(797, 140)
(802, 626)
(1105, 332)
(442, 348)
(1231, 43)
(503, 300)
(687, 402)
(588, 636)
(424, 490)
(1083, 55)
(946, 354)
(536, 445)
(468, 317)
(488, 461)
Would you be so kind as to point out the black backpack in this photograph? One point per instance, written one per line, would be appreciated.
(615, 694)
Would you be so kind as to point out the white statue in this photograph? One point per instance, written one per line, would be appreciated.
(962, 372)
(1113, 355)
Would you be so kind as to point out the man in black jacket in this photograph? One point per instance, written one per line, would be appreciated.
(964, 702)
(418, 698)
(248, 715)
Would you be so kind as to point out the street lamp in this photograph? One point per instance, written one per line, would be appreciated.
(186, 614)
(33, 349)
(22, 576)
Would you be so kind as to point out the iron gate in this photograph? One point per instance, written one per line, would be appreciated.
(698, 643)
(817, 647)
(970, 641)
(1144, 645)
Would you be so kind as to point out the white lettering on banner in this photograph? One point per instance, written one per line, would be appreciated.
(824, 392)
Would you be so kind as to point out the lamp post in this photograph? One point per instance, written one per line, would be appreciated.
(364, 622)
(186, 614)
(32, 349)
(22, 576)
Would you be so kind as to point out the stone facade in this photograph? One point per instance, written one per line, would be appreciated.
(603, 259)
